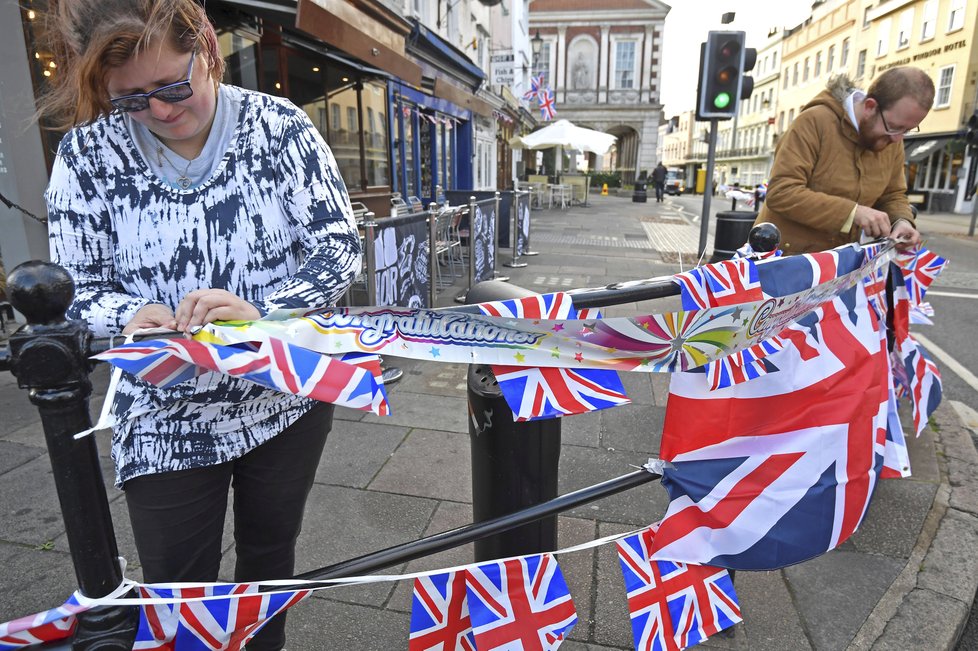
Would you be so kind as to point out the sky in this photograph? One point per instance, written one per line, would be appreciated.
(687, 24)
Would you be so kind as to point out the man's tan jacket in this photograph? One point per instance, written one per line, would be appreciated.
(821, 172)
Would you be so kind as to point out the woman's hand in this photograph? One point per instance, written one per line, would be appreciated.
(206, 305)
(151, 315)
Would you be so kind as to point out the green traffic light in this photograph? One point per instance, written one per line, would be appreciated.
(722, 100)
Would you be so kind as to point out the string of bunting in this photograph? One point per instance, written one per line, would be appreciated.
(830, 343)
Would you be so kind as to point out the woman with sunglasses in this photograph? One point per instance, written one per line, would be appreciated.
(175, 201)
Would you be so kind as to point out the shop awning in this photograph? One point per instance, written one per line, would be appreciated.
(921, 148)
(354, 32)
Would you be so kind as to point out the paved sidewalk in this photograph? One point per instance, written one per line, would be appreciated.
(906, 580)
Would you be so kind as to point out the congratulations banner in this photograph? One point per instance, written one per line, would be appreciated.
(673, 341)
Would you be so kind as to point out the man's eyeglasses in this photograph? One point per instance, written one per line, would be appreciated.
(170, 93)
(894, 132)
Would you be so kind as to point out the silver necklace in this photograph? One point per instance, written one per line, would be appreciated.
(183, 180)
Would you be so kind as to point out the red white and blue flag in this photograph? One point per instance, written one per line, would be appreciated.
(728, 282)
(919, 271)
(222, 616)
(440, 614)
(533, 392)
(780, 469)
(537, 85)
(520, 603)
(350, 380)
(673, 605)
(743, 365)
(548, 106)
(49, 626)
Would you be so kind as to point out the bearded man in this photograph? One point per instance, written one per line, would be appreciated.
(839, 168)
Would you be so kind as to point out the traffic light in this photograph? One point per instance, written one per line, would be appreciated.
(722, 83)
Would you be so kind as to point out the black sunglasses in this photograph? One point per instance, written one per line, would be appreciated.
(171, 93)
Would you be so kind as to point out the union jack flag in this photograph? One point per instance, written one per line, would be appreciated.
(780, 469)
(919, 271)
(49, 626)
(727, 282)
(548, 108)
(915, 375)
(542, 306)
(673, 605)
(532, 392)
(536, 87)
(440, 614)
(521, 603)
(743, 365)
(272, 363)
(222, 616)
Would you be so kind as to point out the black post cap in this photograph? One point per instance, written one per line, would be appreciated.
(41, 291)
(764, 237)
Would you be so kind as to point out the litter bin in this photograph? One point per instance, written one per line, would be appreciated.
(733, 227)
(640, 194)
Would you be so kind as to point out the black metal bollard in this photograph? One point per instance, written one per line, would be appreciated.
(48, 357)
(640, 193)
(514, 464)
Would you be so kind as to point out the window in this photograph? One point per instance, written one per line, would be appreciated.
(786, 80)
(334, 119)
(818, 63)
(955, 18)
(794, 75)
(351, 118)
(929, 20)
(808, 68)
(781, 122)
(791, 116)
(844, 57)
(904, 29)
(866, 20)
(774, 59)
(945, 77)
(861, 64)
(883, 37)
(625, 64)
(830, 59)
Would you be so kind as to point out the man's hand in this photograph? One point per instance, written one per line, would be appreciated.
(906, 235)
(151, 315)
(206, 305)
(875, 223)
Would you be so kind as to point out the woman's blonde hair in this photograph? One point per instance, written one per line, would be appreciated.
(91, 37)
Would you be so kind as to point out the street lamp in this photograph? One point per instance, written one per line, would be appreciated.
(536, 44)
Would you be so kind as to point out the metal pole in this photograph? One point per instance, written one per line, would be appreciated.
(471, 242)
(463, 535)
(708, 195)
(432, 252)
(48, 357)
(369, 234)
(515, 228)
(495, 242)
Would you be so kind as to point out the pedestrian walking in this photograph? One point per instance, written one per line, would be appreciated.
(176, 200)
(659, 180)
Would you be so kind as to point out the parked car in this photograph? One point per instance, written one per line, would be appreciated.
(675, 183)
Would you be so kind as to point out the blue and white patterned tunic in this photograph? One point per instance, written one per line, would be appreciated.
(272, 225)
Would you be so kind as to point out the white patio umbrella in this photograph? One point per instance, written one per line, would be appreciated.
(564, 133)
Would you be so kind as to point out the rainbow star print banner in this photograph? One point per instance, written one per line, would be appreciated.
(728, 308)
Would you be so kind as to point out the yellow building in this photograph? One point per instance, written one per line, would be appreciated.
(937, 36)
